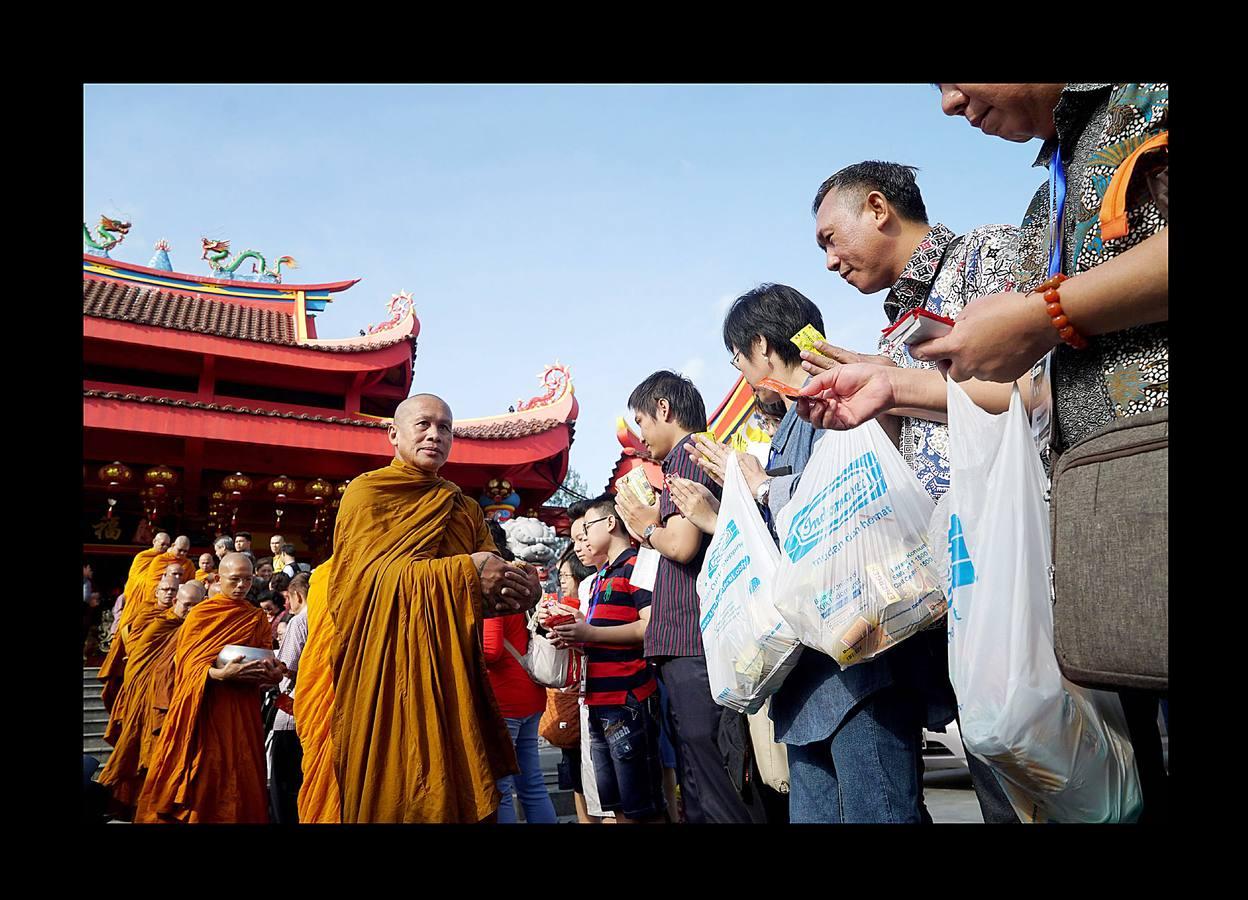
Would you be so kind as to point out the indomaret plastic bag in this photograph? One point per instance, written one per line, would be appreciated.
(856, 575)
(1062, 753)
(749, 648)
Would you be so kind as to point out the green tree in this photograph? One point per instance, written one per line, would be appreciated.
(572, 489)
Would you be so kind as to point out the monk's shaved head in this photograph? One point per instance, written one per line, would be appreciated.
(418, 402)
(182, 546)
(421, 433)
(165, 592)
(161, 541)
(236, 575)
(174, 572)
(188, 595)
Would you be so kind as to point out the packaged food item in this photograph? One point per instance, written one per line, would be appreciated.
(856, 573)
(806, 338)
(779, 387)
(638, 484)
(915, 327)
(560, 619)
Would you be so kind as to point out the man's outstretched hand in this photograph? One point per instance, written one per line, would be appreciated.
(846, 396)
(508, 588)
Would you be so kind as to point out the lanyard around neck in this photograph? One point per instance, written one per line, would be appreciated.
(1057, 203)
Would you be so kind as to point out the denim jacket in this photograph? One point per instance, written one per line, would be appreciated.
(818, 694)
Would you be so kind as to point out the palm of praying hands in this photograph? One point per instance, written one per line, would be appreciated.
(695, 502)
(712, 458)
(636, 515)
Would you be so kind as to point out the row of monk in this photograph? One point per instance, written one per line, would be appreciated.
(393, 708)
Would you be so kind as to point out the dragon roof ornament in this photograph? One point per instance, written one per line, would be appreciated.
(217, 253)
(108, 235)
(399, 307)
(557, 379)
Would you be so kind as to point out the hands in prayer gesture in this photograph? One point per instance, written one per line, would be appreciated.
(695, 502)
(508, 588)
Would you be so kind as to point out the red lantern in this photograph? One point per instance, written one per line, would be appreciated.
(115, 474)
(236, 485)
(160, 477)
(318, 489)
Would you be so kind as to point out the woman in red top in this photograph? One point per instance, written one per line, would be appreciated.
(522, 703)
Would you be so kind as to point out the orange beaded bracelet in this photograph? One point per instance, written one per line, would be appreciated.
(1053, 306)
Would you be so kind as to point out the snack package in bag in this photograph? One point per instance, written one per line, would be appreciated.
(749, 648)
(1062, 753)
(856, 575)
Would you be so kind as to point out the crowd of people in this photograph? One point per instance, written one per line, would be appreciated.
(414, 702)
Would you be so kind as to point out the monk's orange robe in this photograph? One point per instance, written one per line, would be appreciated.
(208, 763)
(205, 577)
(159, 698)
(113, 669)
(416, 733)
(314, 705)
(131, 717)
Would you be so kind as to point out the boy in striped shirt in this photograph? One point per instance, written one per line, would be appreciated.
(620, 687)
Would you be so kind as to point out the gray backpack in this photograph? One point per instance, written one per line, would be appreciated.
(1109, 510)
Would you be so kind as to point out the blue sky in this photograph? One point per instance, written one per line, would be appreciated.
(606, 226)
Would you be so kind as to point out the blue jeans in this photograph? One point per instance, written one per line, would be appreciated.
(869, 770)
(529, 783)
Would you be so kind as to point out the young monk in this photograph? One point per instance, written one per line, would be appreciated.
(314, 705)
(160, 692)
(113, 669)
(208, 763)
(416, 734)
(131, 717)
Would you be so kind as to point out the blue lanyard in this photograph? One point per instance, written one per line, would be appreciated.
(593, 595)
(1057, 203)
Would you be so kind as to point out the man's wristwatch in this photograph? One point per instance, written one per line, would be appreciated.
(647, 531)
(763, 492)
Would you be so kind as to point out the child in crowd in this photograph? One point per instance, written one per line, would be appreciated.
(620, 687)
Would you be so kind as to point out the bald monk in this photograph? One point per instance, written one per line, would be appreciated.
(208, 762)
(314, 704)
(130, 721)
(416, 733)
(160, 692)
(207, 571)
(113, 669)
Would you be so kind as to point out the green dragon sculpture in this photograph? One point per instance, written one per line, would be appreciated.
(216, 252)
(110, 233)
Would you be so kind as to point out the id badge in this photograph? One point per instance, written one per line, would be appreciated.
(1042, 403)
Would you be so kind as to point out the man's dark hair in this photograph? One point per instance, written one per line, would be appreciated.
(602, 505)
(500, 539)
(242, 534)
(580, 571)
(288, 549)
(893, 180)
(279, 582)
(683, 398)
(299, 584)
(577, 510)
(264, 559)
(774, 311)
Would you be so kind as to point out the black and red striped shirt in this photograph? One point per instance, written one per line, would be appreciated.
(612, 670)
(673, 628)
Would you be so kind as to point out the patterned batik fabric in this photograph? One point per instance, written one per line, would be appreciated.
(981, 262)
(1127, 372)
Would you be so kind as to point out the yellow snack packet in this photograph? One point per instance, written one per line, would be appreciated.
(739, 443)
(805, 339)
(637, 482)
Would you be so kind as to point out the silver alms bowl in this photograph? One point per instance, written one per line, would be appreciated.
(231, 652)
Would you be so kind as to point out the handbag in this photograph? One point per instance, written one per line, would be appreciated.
(560, 724)
(1109, 515)
(771, 756)
(543, 662)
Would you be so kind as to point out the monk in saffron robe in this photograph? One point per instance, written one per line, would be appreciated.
(314, 704)
(113, 669)
(208, 763)
(207, 571)
(416, 732)
(132, 714)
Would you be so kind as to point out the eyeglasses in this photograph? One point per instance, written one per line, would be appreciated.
(585, 527)
(736, 365)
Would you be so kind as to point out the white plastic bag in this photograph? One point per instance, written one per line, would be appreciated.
(856, 575)
(1062, 753)
(749, 648)
(547, 665)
